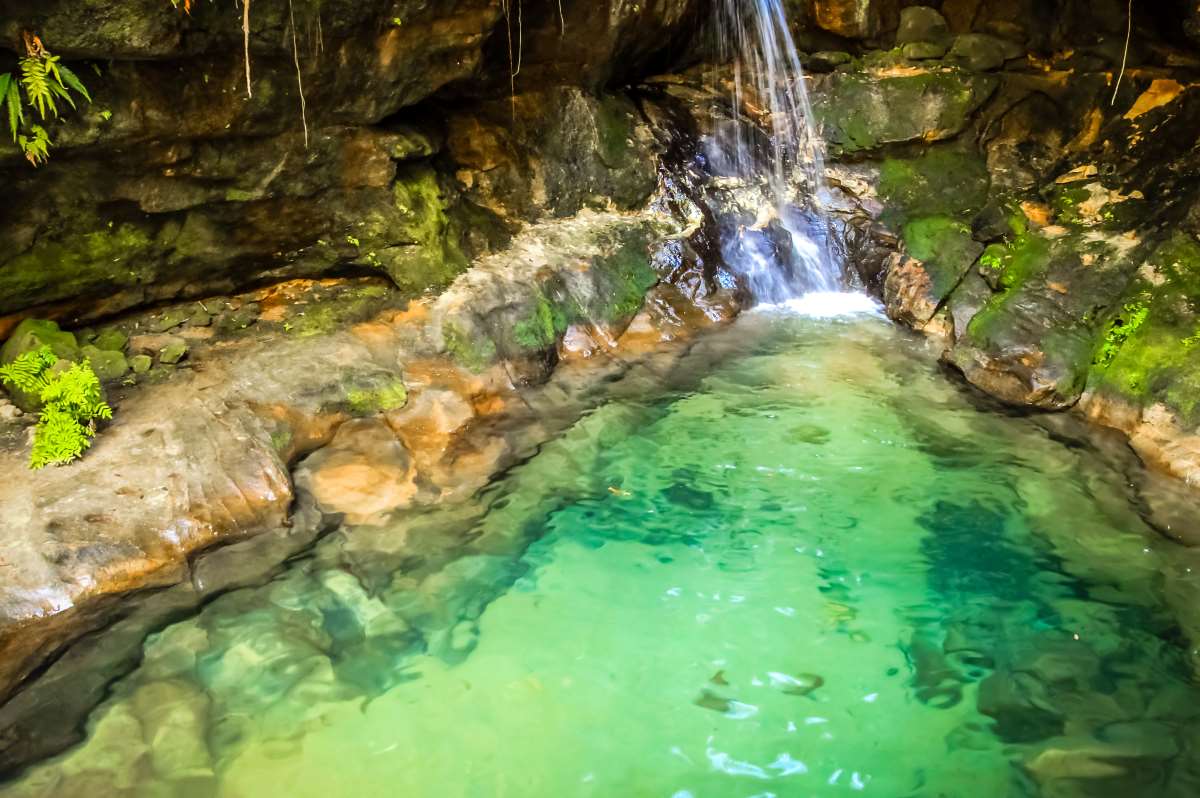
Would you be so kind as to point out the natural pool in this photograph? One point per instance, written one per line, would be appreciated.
(802, 563)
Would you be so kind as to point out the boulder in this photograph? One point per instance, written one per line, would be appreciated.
(980, 52)
(923, 25)
(30, 336)
(107, 364)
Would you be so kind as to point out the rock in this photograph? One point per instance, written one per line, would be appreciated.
(923, 25)
(923, 51)
(169, 320)
(107, 364)
(9, 411)
(199, 318)
(172, 353)
(111, 339)
(942, 251)
(827, 60)
(365, 474)
(852, 19)
(233, 320)
(980, 52)
(33, 334)
(141, 363)
(29, 336)
(862, 112)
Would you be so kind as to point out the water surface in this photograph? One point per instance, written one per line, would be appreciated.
(802, 564)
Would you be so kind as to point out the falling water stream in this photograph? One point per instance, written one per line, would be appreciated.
(769, 139)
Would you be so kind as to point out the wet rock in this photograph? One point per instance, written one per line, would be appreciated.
(364, 474)
(827, 60)
(862, 112)
(942, 251)
(923, 51)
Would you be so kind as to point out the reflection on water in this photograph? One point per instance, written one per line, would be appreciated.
(820, 572)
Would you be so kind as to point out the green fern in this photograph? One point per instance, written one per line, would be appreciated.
(46, 81)
(10, 98)
(36, 145)
(72, 400)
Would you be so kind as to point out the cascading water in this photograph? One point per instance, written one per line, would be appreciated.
(769, 146)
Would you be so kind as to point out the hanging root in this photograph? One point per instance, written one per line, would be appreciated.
(299, 81)
(246, 43)
(1125, 56)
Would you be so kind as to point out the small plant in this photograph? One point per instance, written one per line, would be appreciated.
(72, 403)
(1132, 316)
(42, 83)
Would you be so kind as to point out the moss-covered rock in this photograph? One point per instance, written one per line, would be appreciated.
(942, 251)
(30, 336)
(945, 180)
(1149, 349)
(860, 112)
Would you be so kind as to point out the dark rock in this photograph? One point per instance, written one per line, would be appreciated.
(923, 25)
(923, 51)
(980, 52)
(827, 60)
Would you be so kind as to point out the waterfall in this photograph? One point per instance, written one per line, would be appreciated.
(769, 141)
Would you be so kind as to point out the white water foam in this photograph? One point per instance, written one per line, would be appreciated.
(825, 305)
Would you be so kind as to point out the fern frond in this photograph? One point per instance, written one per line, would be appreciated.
(28, 372)
(72, 81)
(35, 79)
(72, 400)
(10, 98)
(36, 145)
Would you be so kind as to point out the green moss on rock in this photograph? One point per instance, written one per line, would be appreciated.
(1148, 351)
(945, 247)
(943, 181)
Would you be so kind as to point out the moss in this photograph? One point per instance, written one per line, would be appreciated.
(943, 181)
(1007, 267)
(543, 327)
(862, 112)
(615, 128)
(626, 277)
(945, 247)
(1066, 201)
(108, 257)
(368, 401)
(1148, 349)
(472, 352)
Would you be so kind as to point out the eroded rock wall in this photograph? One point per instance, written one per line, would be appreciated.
(179, 180)
(1010, 190)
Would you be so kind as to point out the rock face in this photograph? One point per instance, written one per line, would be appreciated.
(1022, 199)
(178, 180)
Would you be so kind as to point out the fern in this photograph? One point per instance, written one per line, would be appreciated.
(73, 402)
(10, 98)
(35, 79)
(28, 372)
(45, 81)
(36, 145)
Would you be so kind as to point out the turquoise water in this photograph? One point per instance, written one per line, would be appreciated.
(799, 562)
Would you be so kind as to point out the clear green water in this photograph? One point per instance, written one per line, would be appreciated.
(816, 569)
